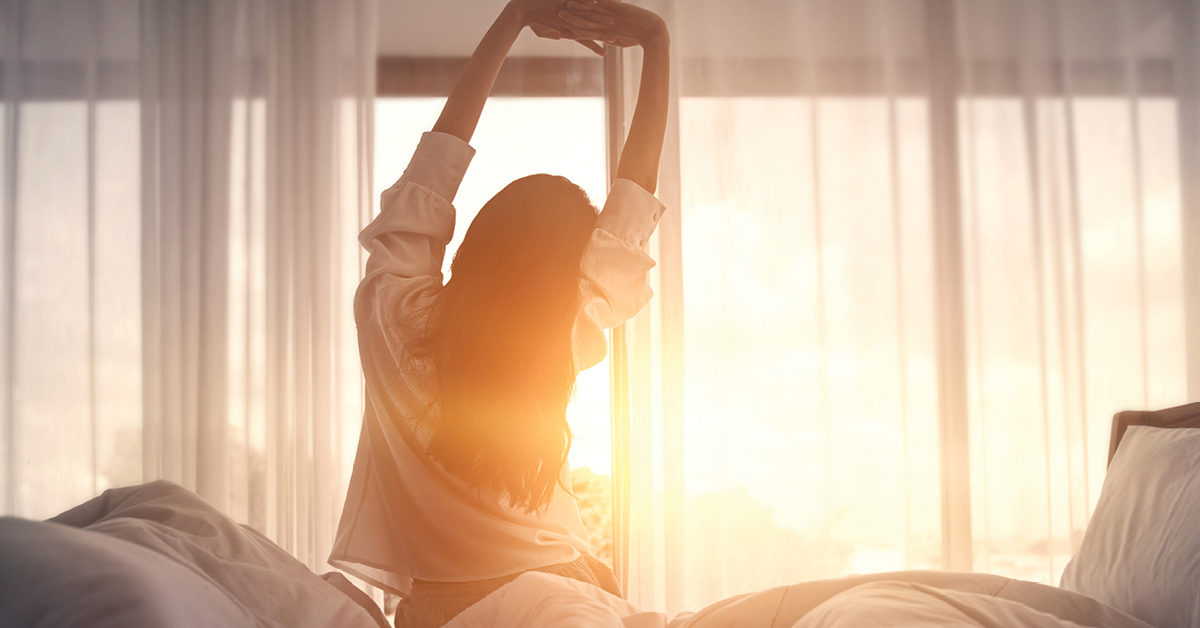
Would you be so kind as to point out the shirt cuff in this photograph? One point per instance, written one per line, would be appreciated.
(439, 163)
(630, 213)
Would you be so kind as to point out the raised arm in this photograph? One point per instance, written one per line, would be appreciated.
(643, 146)
(635, 25)
(461, 112)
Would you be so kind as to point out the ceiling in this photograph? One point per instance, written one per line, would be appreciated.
(451, 28)
(781, 28)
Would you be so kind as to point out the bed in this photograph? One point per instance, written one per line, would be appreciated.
(1185, 416)
(157, 555)
(1138, 566)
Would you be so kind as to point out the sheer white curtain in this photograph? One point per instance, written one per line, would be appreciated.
(182, 186)
(918, 254)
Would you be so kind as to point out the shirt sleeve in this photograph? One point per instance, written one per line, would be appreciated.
(616, 267)
(406, 245)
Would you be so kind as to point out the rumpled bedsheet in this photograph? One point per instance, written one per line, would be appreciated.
(929, 599)
(159, 555)
(910, 605)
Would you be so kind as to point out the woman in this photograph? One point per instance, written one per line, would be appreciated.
(458, 485)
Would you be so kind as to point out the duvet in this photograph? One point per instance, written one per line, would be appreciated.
(892, 600)
(157, 555)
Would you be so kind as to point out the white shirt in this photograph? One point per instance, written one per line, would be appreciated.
(404, 516)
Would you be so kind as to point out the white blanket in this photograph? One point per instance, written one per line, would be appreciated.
(158, 556)
(908, 605)
(896, 600)
(541, 600)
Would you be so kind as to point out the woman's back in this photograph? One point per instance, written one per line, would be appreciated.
(459, 480)
(406, 516)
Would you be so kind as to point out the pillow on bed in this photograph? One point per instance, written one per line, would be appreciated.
(1141, 552)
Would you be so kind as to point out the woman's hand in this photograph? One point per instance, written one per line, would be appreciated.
(632, 25)
(544, 17)
(460, 114)
(615, 22)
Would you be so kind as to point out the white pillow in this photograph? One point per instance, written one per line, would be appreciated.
(1141, 552)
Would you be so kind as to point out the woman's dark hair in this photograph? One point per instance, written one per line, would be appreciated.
(500, 339)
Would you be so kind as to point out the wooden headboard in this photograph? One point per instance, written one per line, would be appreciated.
(1179, 416)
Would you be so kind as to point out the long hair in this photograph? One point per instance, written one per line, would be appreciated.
(500, 339)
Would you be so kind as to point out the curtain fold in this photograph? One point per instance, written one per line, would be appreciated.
(185, 99)
(1187, 55)
(185, 184)
(925, 250)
